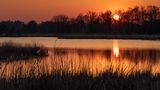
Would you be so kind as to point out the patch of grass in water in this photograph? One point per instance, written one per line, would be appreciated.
(14, 51)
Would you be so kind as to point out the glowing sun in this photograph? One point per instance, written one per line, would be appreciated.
(116, 17)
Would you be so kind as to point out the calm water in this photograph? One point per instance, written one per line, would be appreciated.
(86, 43)
(92, 56)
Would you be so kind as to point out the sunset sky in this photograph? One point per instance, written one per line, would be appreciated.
(41, 10)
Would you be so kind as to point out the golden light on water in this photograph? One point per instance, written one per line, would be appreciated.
(115, 48)
(116, 51)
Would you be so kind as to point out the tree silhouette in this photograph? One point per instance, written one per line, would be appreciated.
(106, 21)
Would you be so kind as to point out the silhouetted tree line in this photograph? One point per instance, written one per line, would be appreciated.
(137, 20)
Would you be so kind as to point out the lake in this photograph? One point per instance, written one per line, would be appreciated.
(94, 56)
(86, 43)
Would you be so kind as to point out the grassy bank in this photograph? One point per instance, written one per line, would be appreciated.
(13, 51)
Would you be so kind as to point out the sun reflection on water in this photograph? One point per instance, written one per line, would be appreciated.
(115, 48)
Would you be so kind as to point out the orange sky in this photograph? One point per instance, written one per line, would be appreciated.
(41, 10)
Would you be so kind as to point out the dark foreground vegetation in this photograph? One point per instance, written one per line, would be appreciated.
(12, 51)
(134, 21)
(106, 81)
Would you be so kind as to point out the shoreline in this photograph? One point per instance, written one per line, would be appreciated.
(90, 36)
(139, 37)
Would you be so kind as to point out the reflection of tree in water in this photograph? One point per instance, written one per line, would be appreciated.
(108, 53)
(134, 55)
(141, 55)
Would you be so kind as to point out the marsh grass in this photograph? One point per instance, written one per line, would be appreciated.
(65, 80)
